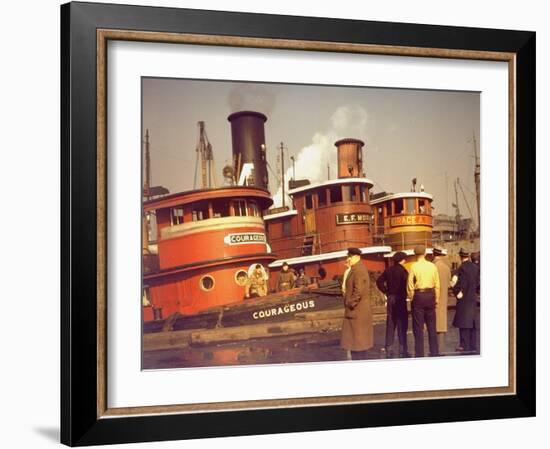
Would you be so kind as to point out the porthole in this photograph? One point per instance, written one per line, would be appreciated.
(241, 277)
(207, 283)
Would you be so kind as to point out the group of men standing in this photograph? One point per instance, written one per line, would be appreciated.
(426, 286)
(289, 278)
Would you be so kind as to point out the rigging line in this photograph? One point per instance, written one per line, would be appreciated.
(151, 147)
(467, 203)
(380, 185)
(469, 191)
(196, 169)
(273, 173)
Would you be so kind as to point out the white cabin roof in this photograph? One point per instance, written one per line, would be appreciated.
(328, 256)
(287, 213)
(396, 196)
(331, 182)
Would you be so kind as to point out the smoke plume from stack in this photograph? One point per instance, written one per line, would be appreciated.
(251, 98)
(311, 161)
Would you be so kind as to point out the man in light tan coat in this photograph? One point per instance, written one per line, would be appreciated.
(441, 307)
(357, 328)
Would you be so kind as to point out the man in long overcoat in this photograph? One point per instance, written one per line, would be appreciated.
(441, 307)
(357, 328)
(465, 284)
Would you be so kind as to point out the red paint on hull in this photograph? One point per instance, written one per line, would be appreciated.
(183, 293)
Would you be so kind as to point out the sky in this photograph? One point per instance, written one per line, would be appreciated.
(421, 134)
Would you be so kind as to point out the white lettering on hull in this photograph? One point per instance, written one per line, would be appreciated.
(282, 310)
(244, 238)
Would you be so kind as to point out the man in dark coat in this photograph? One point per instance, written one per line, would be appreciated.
(286, 279)
(465, 285)
(357, 328)
(302, 280)
(393, 283)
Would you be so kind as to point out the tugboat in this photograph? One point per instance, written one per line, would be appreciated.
(326, 219)
(403, 220)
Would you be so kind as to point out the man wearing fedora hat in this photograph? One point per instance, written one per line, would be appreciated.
(393, 283)
(465, 285)
(286, 278)
(357, 329)
(424, 290)
(444, 272)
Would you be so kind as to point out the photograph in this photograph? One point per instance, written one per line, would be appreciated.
(306, 223)
(275, 223)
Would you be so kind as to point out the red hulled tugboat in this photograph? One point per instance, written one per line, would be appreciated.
(326, 219)
(207, 239)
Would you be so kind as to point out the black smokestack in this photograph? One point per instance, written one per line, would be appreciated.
(248, 140)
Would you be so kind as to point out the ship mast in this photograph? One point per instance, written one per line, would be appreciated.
(457, 209)
(465, 199)
(206, 156)
(149, 191)
(476, 179)
(147, 195)
(282, 148)
(147, 183)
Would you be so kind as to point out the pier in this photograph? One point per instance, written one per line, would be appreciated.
(252, 346)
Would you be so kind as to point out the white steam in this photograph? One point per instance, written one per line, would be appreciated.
(252, 98)
(311, 161)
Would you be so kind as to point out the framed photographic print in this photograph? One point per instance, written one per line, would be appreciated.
(279, 224)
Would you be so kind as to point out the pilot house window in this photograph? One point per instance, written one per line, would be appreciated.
(254, 210)
(399, 207)
(176, 216)
(322, 198)
(363, 190)
(422, 206)
(200, 211)
(240, 208)
(220, 208)
(335, 194)
(411, 206)
(309, 202)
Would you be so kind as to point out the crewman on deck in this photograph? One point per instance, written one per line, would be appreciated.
(423, 288)
(286, 278)
(302, 280)
(256, 285)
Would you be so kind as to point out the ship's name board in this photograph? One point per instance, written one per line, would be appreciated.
(278, 210)
(408, 220)
(286, 309)
(244, 238)
(353, 218)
